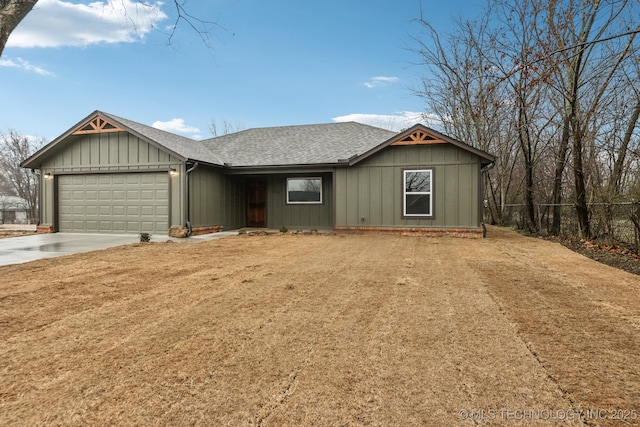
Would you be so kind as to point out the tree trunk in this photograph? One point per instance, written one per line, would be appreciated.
(582, 210)
(12, 12)
(561, 161)
(527, 155)
(616, 177)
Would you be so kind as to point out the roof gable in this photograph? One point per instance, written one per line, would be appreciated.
(418, 137)
(97, 124)
(101, 122)
(422, 135)
(345, 143)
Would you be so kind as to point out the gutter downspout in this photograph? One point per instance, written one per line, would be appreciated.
(188, 201)
(484, 169)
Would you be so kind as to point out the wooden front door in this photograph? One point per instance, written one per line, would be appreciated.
(256, 203)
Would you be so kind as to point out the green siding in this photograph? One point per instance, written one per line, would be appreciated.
(110, 152)
(298, 216)
(367, 194)
(107, 151)
(370, 193)
(216, 199)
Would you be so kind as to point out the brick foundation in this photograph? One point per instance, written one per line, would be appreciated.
(474, 233)
(44, 229)
(197, 231)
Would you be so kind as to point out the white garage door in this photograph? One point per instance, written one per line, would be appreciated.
(114, 203)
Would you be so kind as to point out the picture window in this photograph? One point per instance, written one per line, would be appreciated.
(304, 190)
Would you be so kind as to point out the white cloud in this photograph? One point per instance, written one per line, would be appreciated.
(395, 122)
(177, 126)
(380, 80)
(54, 23)
(21, 63)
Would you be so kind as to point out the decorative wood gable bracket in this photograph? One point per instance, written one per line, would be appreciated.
(419, 137)
(97, 125)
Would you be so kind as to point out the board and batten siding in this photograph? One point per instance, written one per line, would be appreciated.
(216, 199)
(110, 152)
(299, 216)
(370, 193)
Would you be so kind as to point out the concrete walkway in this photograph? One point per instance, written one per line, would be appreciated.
(16, 250)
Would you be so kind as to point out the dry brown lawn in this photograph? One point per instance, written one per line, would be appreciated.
(292, 330)
(15, 233)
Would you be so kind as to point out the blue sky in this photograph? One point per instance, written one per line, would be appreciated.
(268, 63)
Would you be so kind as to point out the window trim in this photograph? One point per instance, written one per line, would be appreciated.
(298, 178)
(430, 215)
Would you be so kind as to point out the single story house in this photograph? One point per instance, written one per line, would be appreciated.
(13, 210)
(108, 174)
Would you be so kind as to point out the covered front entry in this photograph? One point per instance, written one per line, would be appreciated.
(256, 202)
(113, 203)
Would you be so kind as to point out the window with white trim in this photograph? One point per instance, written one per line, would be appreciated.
(418, 193)
(304, 190)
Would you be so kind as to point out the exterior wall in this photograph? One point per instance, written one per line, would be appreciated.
(13, 210)
(107, 153)
(370, 193)
(12, 216)
(298, 216)
(216, 199)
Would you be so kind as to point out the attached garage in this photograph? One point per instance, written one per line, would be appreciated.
(113, 203)
(108, 174)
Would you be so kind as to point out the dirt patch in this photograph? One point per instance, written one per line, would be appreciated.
(15, 233)
(321, 330)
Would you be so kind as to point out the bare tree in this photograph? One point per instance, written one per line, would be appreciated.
(461, 89)
(514, 52)
(550, 88)
(626, 104)
(15, 148)
(12, 12)
(225, 128)
(586, 72)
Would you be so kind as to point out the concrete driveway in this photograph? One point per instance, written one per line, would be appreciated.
(16, 250)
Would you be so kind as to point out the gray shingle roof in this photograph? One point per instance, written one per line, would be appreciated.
(186, 147)
(320, 144)
(297, 145)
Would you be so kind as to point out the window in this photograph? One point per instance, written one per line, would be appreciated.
(418, 193)
(304, 190)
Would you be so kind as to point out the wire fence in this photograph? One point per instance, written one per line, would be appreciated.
(610, 222)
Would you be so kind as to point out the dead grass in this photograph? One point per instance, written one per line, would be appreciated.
(15, 233)
(320, 330)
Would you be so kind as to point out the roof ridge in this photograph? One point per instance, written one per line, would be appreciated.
(299, 126)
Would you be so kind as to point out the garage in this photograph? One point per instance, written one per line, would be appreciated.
(113, 203)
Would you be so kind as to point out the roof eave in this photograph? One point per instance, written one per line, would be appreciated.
(480, 153)
(142, 136)
(29, 162)
(281, 167)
